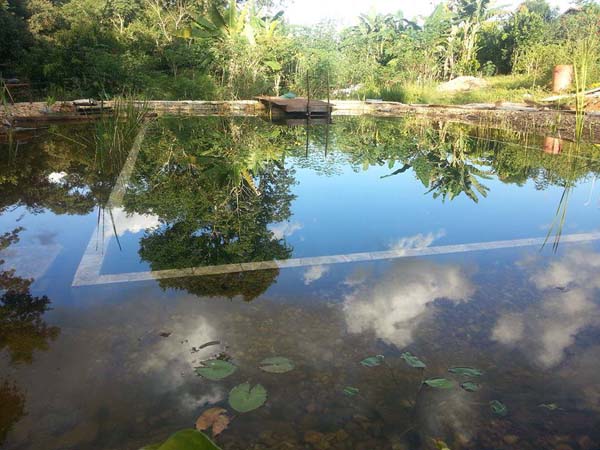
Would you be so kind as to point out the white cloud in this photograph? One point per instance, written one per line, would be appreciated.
(284, 229)
(545, 330)
(416, 241)
(133, 223)
(314, 273)
(394, 307)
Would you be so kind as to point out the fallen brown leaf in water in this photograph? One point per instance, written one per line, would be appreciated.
(220, 425)
(214, 418)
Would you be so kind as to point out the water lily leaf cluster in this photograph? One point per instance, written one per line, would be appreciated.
(439, 383)
(351, 391)
(215, 369)
(245, 398)
(373, 361)
(277, 364)
(413, 361)
(498, 408)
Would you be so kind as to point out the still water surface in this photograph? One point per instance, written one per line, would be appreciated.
(108, 363)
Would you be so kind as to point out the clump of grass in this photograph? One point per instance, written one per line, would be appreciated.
(115, 132)
(584, 56)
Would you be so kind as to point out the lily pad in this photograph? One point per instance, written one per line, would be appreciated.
(373, 361)
(185, 440)
(277, 364)
(412, 360)
(244, 398)
(498, 408)
(470, 387)
(351, 391)
(466, 371)
(439, 383)
(215, 369)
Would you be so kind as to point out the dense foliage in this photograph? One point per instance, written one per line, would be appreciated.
(206, 49)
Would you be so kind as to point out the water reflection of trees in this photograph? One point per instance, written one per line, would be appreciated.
(87, 171)
(22, 332)
(216, 190)
(22, 329)
(12, 407)
(217, 183)
(452, 158)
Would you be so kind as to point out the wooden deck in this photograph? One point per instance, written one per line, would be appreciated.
(297, 106)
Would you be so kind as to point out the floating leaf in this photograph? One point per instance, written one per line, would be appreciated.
(277, 364)
(351, 391)
(466, 371)
(470, 387)
(220, 425)
(373, 361)
(244, 398)
(439, 383)
(185, 440)
(215, 369)
(550, 406)
(214, 418)
(412, 360)
(498, 408)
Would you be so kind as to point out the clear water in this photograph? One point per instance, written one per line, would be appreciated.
(406, 209)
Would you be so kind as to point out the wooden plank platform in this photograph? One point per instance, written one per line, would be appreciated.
(297, 105)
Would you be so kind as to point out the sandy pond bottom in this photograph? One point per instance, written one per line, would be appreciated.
(112, 366)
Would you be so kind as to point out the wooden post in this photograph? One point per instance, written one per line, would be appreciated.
(328, 90)
(307, 94)
(307, 134)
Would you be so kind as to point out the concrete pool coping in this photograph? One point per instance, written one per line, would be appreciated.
(88, 272)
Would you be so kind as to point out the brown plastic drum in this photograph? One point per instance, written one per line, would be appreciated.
(562, 79)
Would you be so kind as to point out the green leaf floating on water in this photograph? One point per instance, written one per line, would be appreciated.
(373, 361)
(215, 369)
(351, 391)
(277, 364)
(185, 440)
(470, 387)
(498, 408)
(244, 398)
(412, 360)
(466, 371)
(439, 383)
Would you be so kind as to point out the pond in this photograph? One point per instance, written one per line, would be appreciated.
(428, 284)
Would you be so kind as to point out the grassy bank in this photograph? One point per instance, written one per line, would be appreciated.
(501, 88)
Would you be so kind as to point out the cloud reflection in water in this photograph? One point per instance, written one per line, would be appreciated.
(394, 305)
(568, 288)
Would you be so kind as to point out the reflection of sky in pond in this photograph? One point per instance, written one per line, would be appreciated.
(117, 369)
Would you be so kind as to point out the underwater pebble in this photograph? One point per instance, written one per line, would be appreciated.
(511, 439)
(586, 443)
(313, 437)
(563, 447)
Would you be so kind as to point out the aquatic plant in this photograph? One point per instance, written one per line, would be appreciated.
(185, 440)
(585, 55)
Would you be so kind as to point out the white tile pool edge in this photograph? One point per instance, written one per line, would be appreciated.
(91, 279)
